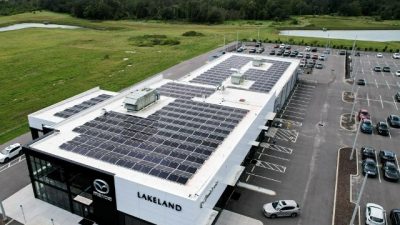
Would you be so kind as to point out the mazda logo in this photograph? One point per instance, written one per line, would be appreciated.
(101, 186)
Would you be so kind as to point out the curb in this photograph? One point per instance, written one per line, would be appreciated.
(336, 179)
(343, 97)
(340, 123)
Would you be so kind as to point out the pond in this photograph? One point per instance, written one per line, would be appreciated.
(20, 26)
(363, 35)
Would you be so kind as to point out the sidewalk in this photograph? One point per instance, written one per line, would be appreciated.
(229, 218)
(35, 211)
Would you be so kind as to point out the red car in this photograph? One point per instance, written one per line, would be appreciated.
(276, 46)
(315, 57)
(363, 114)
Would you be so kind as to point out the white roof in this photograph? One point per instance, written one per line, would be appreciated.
(244, 99)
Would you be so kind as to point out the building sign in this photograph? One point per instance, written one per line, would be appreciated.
(160, 202)
(101, 189)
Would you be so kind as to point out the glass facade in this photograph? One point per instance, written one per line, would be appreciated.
(53, 184)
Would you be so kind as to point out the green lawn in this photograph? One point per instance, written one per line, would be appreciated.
(39, 67)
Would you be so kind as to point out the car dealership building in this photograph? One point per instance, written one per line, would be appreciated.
(163, 152)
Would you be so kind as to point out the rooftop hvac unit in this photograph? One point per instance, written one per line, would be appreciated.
(257, 62)
(135, 101)
(237, 78)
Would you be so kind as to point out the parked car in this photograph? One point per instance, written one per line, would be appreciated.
(293, 54)
(282, 46)
(288, 47)
(252, 50)
(272, 52)
(363, 114)
(314, 49)
(390, 172)
(281, 208)
(395, 216)
(276, 46)
(366, 126)
(9, 152)
(279, 52)
(322, 57)
(310, 64)
(398, 73)
(382, 128)
(327, 51)
(319, 66)
(387, 156)
(368, 152)
(397, 96)
(369, 167)
(357, 54)
(308, 56)
(379, 55)
(286, 53)
(386, 69)
(308, 48)
(342, 52)
(302, 64)
(396, 55)
(301, 55)
(260, 50)
(315, 56)
(240, 49)
(394, 121)
(377, 69)
(375, 214)
(361, 82)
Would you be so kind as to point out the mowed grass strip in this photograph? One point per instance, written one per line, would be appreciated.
(40, 67)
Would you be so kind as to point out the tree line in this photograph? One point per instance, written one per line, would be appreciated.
(206, 11)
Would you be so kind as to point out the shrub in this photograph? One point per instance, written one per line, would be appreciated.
(390, 50)
(151, 40)
(192, 33)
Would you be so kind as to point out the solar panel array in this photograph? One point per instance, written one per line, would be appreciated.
(177, 90)
(217, 74)
(266, 79)
(171, 144)
(66, 113)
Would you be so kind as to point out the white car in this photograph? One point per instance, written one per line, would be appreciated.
(375, 214)
(300, 55)
(281, 208)
(282, 46)
(396, 56)
(308, 48)
(379, 55)
(398, 73)
(9, 152)
(322, 57)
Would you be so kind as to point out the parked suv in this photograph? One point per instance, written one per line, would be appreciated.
(281, 208)
(375, 214)
(378, 69)
(10, 152)
(396, 55)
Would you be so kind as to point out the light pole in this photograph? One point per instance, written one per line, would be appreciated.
(353, 217)
(3, 212)
(354, 103)
(23, 214)
(355, 141)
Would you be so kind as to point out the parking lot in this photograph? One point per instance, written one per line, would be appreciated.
(298, 161)
(377, 96)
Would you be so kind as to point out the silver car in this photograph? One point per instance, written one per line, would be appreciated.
(281, 208)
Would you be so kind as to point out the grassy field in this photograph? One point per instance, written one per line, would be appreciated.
(39, 67)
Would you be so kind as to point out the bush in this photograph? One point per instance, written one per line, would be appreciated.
(192, 34)
(366, 49)
(376, 49)
(151, 40)
(390, 50)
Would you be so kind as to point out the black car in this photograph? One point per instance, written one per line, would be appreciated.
(361, 82)
(395, 216)
(397, 96)
(308, 56)
(390, 172)
(382, 128)
(293, 54)
(342, 52)
(377, 69)
(368, 152)
(394, 121)
(252, 50)
(272, 52)
(288, 47)
(387, 156)
(314, 49)
(366, 126)
(369, 167)
(386, 69)
(357, 54)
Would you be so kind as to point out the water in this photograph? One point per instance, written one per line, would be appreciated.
(20, 26)
(363, 35)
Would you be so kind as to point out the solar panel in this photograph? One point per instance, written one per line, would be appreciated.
(170, 144)
(66, 113)
(177, 90)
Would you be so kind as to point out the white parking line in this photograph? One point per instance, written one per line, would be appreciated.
(290, 100)
(292, 117)
(272, 156)
(271, 166)
(387, 84)
(266, 178)
(368, 99)
(300, 113)
(277, 148)
(376, 84)
(390, 136)
(294, 108)
(381, 100)
(12, 163)
(395, 103)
